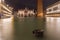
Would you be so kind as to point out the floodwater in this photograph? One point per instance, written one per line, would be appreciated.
(21, 28)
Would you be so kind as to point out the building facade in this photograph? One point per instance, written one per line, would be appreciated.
(5, 10)
(53, 10)
(25, 13)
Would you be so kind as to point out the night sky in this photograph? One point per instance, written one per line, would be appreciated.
(32, 4)
(48, 2)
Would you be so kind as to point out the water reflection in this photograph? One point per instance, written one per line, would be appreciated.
(6, 29)
(25, 26)
(52, 28)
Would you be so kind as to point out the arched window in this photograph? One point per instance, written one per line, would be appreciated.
(55, 8)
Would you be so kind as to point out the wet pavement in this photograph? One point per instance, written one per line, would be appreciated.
(21, 28)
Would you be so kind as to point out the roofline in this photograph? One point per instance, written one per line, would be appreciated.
(53, 4)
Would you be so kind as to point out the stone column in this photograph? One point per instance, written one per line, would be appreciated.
(40, 8)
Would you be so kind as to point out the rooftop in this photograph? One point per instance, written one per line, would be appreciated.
(58, 2)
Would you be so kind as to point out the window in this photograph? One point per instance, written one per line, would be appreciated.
(55, 8)
(49, 10)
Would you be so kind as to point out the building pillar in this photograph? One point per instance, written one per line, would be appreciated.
(40, 8)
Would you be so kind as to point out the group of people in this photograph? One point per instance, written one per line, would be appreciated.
(38, 32)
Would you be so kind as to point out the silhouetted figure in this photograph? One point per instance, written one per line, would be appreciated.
(38, 32)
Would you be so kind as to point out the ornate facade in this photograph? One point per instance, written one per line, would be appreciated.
(54, 9)
(25, 12)
(5, 10)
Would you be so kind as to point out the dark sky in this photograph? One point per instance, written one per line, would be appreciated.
(18, 4)
(32, 4)
(48, 2)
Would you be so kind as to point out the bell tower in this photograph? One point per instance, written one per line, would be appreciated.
(40, 8)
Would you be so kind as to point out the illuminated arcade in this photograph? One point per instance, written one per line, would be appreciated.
(5, 10)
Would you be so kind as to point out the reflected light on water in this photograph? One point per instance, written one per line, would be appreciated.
(6, 29)
(53, 28)
(7, 19)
